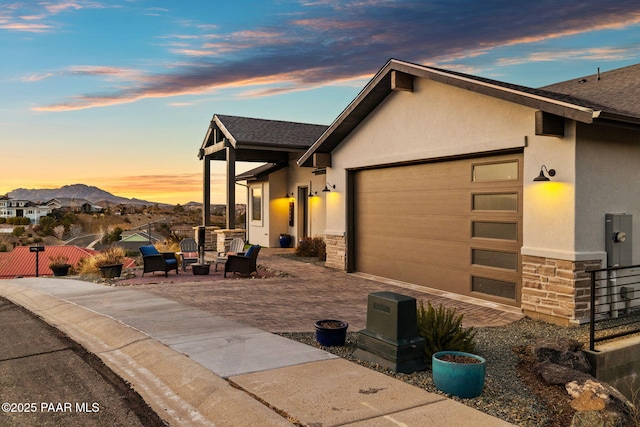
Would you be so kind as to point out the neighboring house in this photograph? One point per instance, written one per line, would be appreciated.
(434, 183)
(279, 190)
(14, 208)
(73, 204)
(132, 240)
(21, 262)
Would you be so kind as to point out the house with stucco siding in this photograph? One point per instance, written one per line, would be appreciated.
(464, 184)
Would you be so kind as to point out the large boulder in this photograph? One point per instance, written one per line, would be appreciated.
(599, 405)
(563, 352)
(552, 373)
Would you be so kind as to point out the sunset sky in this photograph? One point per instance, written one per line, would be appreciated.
(118, 94)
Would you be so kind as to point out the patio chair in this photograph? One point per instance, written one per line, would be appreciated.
(154, 260)
(188, 252)
(235, 248)
(245, 264)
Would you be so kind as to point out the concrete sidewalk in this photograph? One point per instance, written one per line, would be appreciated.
(195, 368)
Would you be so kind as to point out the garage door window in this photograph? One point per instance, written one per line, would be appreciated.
(507, 260)
(495, 230)
(495, 202)
(498, 288)
(505, 171)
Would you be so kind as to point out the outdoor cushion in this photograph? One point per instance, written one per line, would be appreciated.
(249, 251)
(149, 250)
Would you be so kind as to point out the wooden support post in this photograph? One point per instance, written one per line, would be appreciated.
(206, 191)
(231, 186)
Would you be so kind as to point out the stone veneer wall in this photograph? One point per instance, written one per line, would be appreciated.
(224, 238)
(556, 291)
(336, 246)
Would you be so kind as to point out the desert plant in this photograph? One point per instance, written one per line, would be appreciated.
(442, 330)
(110, 256)
(312, 247)
(58, 261)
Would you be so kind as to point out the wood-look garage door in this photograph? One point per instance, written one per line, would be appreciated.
(453, 225)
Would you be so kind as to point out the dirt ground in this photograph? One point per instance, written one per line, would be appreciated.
(48, 380)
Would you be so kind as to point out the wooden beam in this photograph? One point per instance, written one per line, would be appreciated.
(401, 81)
(549, 124)
(321, 160)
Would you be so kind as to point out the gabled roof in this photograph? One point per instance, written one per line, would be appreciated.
(260, 171)
(20, 262)
(258, 139)
(596, 106)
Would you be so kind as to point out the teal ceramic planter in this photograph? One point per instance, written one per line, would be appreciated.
(459, 379)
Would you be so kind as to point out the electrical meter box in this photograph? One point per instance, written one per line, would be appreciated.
(618, 241)
(391, 338)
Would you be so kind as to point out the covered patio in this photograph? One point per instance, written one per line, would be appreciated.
(275, 144)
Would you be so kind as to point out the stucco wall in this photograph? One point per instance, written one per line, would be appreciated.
(549, 207)
(608, 176)
(433, 121)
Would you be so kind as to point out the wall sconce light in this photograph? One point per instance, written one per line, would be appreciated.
(542, 176)
(311, 194)
(326, 187)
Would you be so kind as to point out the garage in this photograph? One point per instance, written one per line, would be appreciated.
(453, 225)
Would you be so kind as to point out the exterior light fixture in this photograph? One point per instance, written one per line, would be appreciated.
(326, 187)
(542, 177)
(311, 194)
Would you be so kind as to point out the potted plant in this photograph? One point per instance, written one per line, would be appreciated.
(59, 265)
(109, 262)
(331, 332)
(285, 240)
(458, 373)
(449, 348)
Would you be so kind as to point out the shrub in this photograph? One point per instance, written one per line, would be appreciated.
(58, 261)
(312, 247)
(442, 330)
(110, 256)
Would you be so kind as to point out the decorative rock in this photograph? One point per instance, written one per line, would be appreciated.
(588, 401)
(553, 373)
(597, 389)
(564, 352)
(595, 419)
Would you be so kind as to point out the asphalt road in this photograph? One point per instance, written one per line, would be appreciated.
(48, 380)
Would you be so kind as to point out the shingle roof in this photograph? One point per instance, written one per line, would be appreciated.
(270, 132)
(616, 90)
(614, 100)
(260, 171)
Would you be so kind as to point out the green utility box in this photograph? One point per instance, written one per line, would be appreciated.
(391, 338)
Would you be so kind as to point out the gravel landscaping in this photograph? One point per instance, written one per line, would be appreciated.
(512, 392)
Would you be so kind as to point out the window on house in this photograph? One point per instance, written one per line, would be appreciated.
(507, 260)
(494, 230)
(498, 288)
(505, 171)
(495, 202)
(256, 204)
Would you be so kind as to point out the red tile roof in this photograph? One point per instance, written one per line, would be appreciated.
(21, 262)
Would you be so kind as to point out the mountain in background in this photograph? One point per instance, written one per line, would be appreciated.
(78, 191)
